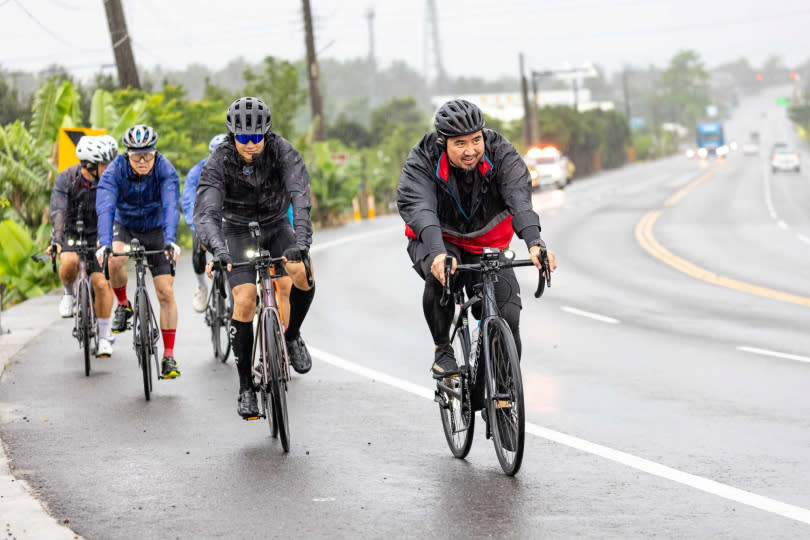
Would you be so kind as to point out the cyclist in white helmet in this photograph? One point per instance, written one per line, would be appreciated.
(74, 198)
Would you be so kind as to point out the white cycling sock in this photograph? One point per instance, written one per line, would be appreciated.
(104, 328)
(201, 280)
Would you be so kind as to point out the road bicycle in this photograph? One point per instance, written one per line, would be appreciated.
(271, 371)
(218, 314)
(145, 327)
(489, 376)
(85, 324)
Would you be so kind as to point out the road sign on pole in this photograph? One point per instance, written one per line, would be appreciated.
(68, 139)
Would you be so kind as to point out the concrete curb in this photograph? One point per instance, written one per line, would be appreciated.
(23, 513)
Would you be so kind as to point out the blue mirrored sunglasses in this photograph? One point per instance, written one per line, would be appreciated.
(256, 138)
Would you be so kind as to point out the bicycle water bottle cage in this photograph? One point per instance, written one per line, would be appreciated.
(254, 229)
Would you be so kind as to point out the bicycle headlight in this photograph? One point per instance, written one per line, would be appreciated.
(127, 248)
(71, 241)
(250, 254)
(508, 254)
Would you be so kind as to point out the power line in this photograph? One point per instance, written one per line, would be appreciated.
(52, 34)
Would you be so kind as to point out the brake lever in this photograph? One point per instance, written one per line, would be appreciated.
(448, 265)
(544, 277)
(308, 269)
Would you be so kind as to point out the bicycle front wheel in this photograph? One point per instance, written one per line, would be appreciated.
(455, 407)
(277, 376)
(142, 338)
(85, 324)
(507, 417)
(223, 324)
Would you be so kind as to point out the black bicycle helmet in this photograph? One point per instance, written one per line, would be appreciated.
(458, 117)
(248, 115)
(140, 137)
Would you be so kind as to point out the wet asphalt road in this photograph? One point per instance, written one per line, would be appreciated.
(666, 382)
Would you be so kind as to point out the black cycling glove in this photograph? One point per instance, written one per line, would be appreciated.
(295, 253)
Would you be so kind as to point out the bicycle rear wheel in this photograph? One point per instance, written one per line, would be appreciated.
(455, 407)
(507, 417)
(142, 337)
(277, 375)
(84, 325)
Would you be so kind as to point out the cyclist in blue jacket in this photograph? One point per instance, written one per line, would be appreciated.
(138, 197)
(187, 203)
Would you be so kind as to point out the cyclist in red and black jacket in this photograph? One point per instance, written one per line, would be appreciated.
(464, 188)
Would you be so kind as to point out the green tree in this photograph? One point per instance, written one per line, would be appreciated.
(278, 85)
(12, 107)
(685, 88)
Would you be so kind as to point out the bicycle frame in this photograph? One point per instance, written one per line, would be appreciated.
(84, 251)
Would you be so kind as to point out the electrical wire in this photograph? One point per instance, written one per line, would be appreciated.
(45, 28)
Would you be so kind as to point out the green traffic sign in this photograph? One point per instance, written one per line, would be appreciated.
(783, 101)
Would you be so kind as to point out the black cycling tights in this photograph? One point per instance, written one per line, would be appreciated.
(242, 344)
(440, 318)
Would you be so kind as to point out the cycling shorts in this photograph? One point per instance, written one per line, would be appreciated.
(159, 264)
(276, 238)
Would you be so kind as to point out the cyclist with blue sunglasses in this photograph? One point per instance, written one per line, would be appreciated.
(254, 176)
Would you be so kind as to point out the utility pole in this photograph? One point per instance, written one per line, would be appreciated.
(626, 91)
(122, 45)
(527, 107)
(315, 101)
(433, 36)
(372, 62)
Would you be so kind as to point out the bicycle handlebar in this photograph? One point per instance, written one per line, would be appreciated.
(42, 257)
(138, 252)
(544, 275)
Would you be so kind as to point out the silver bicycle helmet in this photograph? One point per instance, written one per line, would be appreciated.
(216, 140)
(98, 149)
(248, 115)
(140, 137)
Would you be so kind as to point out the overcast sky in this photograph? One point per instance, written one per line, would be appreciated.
(478, 37)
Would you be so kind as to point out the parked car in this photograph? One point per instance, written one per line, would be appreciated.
(783, 159)
(547, 167)
(750, 149)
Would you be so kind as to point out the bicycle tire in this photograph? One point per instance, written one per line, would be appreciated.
(504, 400)
(278, 383)
(264, 382)
(458, 418)
(83, 313)
(223, 323)
(143, 339)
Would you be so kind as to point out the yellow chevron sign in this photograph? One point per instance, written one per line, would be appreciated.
(68, 139)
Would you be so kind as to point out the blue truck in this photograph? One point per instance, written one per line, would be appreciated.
(711, 140)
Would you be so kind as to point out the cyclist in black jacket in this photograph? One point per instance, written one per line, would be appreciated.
(254, 176)
(464, 188)
(74, 198)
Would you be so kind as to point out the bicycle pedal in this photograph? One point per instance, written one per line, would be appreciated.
(503, 404)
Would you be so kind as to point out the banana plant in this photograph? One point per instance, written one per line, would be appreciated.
(104, 115)
(55, 105)
(19, 274)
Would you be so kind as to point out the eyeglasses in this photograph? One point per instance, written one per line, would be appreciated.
(256, 138)
(142, 157)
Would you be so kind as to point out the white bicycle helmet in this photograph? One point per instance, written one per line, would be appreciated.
(216, 140)
(140, 137)
(98, 149)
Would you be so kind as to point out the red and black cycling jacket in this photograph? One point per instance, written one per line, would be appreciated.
(498, 205)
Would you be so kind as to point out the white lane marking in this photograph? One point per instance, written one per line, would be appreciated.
(768, 197)
(775, 354)
(346, 239)
(656, 469)
(782, 225)
(590, 315)
(803, 238)
(323, 499)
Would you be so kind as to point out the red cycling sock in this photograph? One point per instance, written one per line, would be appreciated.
(121, 295)
(168, 341)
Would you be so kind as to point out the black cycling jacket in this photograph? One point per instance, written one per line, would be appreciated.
(497, 202)
(238, 192)
(72, 194)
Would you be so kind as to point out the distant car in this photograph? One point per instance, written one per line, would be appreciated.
(750, 149)
(783, 159)
(690, 153)
(778, 146)
(547, 167)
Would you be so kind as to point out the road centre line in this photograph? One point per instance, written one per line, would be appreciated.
(775, 354)
(782, 225)
(351, 238)
(590, 315)
(656, 469)
(680, 194)
(645, 237)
